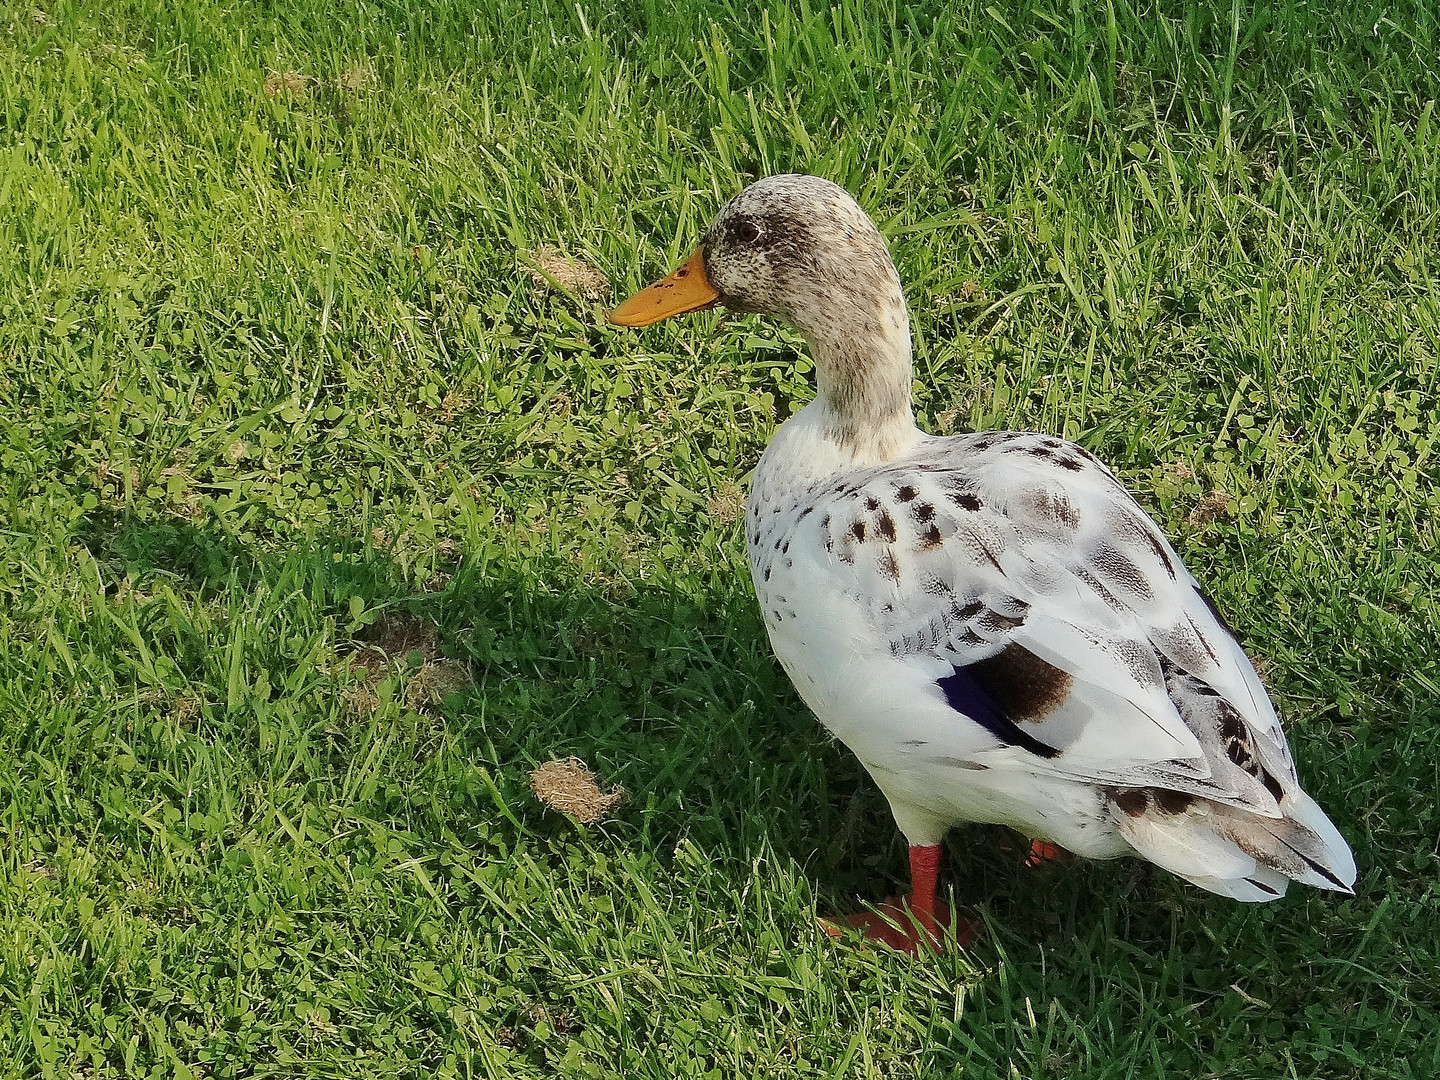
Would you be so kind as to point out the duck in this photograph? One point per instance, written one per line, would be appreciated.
(989, 621)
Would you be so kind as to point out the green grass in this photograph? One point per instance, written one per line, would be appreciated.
(276, 390)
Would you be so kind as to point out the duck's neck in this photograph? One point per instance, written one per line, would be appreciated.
(862, 363)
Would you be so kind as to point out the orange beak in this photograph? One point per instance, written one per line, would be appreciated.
(685, 290)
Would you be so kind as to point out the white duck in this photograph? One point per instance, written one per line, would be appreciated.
(989, 621)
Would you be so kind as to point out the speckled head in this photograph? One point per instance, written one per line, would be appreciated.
(801, 248)
(795, 246)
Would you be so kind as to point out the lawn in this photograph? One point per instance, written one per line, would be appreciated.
(330, 508)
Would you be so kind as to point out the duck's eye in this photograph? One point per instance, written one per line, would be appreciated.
(747, 232)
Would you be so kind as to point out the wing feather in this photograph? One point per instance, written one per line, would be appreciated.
(1000, 561)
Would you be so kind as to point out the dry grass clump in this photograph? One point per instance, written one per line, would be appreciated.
(727, 504)
(290, 83)
(969, 293)
(360, 698)
(434, 680)
(550, 267)
(570, 787)
(357, 77)
(1210, 507)
(391, 642)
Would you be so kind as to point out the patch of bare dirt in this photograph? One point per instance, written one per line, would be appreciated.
(392, 643)
(397, 635)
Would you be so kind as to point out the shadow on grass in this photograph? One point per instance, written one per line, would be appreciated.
(668, 690)
(673, 695)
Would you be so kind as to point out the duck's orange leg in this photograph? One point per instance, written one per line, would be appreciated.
(906, 923)
(1042, 851)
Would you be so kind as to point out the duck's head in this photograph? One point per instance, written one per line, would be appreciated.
(795, 246)
(800, 248)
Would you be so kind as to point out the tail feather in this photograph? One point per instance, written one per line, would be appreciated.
(1185, 846)
(1259, 887)
(1333, 855)
(1246, 856)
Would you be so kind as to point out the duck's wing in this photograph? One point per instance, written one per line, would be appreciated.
(1051, 612)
